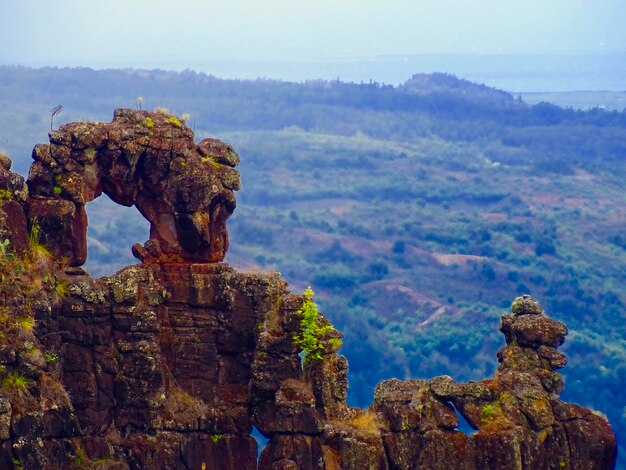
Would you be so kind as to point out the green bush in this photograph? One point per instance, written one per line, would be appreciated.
(312, 329)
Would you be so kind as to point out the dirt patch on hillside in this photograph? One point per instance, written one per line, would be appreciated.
(461, 260)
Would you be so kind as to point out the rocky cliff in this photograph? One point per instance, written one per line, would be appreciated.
(170, 363)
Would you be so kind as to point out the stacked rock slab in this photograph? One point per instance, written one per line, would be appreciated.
(173, 362)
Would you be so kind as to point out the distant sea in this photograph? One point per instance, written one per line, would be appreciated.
(513, 72)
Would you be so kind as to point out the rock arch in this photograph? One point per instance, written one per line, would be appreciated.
(149, 160)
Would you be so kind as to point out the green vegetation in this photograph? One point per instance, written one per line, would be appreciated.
(16, 381)
(491, 412)
(215, 438)
(90, 154)
(174, 121)
(488, 410)
(313, 330)
(50, 356)
(335, 343)
(38, 256)
(26, 323)
(419, 212)
(28, 276)
(5, 195)
(81, 459)
(3, 248)
(212, 161)
(61, 287)
(149, 123)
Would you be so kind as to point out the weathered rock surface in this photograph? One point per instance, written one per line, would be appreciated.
(186, 191)
(13, 196)
(170, 364)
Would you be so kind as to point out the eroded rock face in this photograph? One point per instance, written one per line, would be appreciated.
(170, 364)
(520, 420)
(13, 196)
(186, 191)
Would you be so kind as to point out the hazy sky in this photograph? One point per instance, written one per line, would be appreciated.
(91, 33)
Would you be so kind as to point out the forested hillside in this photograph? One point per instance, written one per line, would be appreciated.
(417, 213)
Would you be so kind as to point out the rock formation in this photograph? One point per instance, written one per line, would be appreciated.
(169, 364)
(149, 160)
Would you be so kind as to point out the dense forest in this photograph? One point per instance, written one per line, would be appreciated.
(417, 213)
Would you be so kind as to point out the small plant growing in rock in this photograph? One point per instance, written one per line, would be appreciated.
(50, 356)
(10, 269)
(492, 415)
(312, 329)
(5, 195)
(174, 121)
(38, 254)
(90, 153)
(488, 410)
(80, 457)
(16, 381)
(149, 123)
(61, 287)
(335, 343)
(3, 249)
(216, 438)
(26, 323)
(210, 160)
